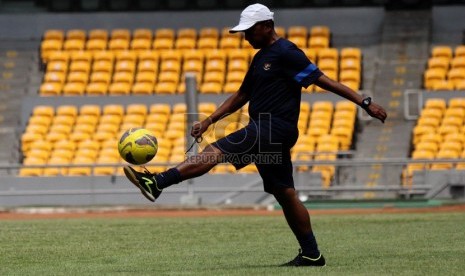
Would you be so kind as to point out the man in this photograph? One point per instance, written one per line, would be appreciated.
(272, 86)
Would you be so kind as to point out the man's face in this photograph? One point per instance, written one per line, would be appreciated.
(258, 35)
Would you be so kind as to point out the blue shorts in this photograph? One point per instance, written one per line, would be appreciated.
(269, 150)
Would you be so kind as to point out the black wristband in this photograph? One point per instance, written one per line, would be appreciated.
(366, 102)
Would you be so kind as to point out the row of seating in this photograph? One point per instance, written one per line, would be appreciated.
(445, 69)
(438, 134)
(88, 134)
(164, 39)
(150, 72)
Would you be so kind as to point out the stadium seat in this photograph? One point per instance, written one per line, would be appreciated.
(96, 89)
(50, 89)
(163, 44)
(352, 53)
(207, 43)
(165, 33)
(98, 34)
(74, 89)
(209, 32)
(107, 56)
(78, 77)
(215, 66)
(165, 88)
(125, 66)
(123, 77)
(118, 45)
(142, 34)
(119, 88)
(100, 77)
(328, 53)
(139, 45)
(80, 66)
(123, 34)
(142, 88)
(77, 34)
(442, 51)
(229, 43)
(438, 63)
(187, 33)
(443, 85)
(54, 35)
(297, 31)
(318, 43)
(299, 41)
(320, 31)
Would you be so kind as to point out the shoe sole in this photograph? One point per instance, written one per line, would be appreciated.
(132, 177)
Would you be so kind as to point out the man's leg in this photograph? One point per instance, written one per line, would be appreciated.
(299, 221)
(151, 185)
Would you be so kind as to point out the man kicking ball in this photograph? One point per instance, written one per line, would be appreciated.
(272, 87)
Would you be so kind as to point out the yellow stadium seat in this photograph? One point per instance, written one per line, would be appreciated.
(50, 89)
(119, 88)
(125, 66)
(164, 109)
(151, 56)
(80, 66)
(142, 88)
(164, 33)
(187, 33)
(57, 66)
(445, 154)
(127, 55)
(74, 45)
(49, 46)
(457, 103)
(123, 34)
(350, 64)
(90, 109)
(459, 51)
(41, 120)
(454, 112)
(349, 75)
(142, 34)
(238, 66)
(118, 45)
(74, 89)
(96, 89)
(443, 85)
(456, 75)
(442, 51)
(230, 43)
(322, 31)
(162, 44)
(140, 45)
(185, 43)
(61, 56)
(299, 31)
(209, 32)
(146, 77)
(215, 66)
(100, 34)
(328, 53)
(55, 77)
(299, 41)
(102, 66)
(235, 76)
(165, 88)
(232, 87)
(169, 77)
(54, 34)
(327, 65)
(318, 42)
(96, 45)
(78, 77)
(207, 43)
(352, 53)
(211, 88)
(438, 63)
(170, 66)
(193, 66)
(107, 56)
(100, 77)
(123, 77)
(81, 171)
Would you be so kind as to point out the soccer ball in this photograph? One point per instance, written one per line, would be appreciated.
(137, 146)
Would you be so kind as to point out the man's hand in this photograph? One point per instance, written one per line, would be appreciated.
(198, 128)
(376, 111)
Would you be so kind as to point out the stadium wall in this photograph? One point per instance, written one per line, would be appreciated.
(349, 26)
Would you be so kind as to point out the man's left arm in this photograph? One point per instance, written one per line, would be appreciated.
(373, 109)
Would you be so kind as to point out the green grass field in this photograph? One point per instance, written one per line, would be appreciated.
(394, 244)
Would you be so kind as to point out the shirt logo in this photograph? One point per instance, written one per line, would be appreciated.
(267, 66)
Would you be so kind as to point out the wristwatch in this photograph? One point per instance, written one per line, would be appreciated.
(366, 102)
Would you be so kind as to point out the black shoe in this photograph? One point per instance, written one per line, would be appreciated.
(302, 260)
(144, 181)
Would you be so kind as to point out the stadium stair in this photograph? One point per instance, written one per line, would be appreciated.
(403, 51)
(19, 76)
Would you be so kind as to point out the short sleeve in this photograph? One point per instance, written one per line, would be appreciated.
(298, 67)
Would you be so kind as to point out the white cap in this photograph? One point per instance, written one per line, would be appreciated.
(251, 15)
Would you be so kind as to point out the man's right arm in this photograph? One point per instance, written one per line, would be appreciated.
(231, 105)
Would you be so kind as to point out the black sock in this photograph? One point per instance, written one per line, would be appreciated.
(309, 245)
(168, 178)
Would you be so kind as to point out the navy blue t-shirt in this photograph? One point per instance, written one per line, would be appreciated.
(274, 83)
